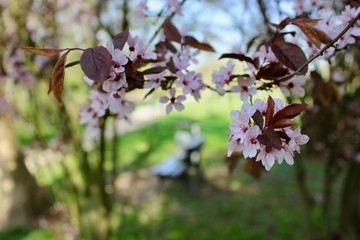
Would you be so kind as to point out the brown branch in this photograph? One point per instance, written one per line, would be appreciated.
(263, 13)
(125, 20)
(330, 44)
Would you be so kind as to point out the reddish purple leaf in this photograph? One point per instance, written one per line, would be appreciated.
(191, 41)
(258, 119)
(44, 51)
(96, 63)
(284, 23)
(120, 39)
(272, 71)
(304, 21)
(269, 110)
(171, 32)
(282, 123)
(270, 138)
(322, 36)
(237, 56)
(290, 111)
(310, 33)
(290, 55)
(56, 84)
(164, 46)
(283, 135)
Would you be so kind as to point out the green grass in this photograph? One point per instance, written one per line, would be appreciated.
(239, 207)
(26, 234)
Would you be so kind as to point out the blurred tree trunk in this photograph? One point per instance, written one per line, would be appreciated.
(21, 198)
(350, 205)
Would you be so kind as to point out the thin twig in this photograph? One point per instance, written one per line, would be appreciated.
(161, 25)
(330, 44)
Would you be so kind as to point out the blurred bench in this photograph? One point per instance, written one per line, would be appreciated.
(186, 157)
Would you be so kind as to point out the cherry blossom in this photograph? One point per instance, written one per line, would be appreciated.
(245, 135)
(138, 49)
(189, 81)
(251, 144)
(154, 80)
(173, 101)
(267, 156)
(293, 86)
(180, 63)
(222, 76)
(114, 82)
(119, 104)
(234, 145)
(265, 55)
(95, 109)
(118, 58)
(245, 87)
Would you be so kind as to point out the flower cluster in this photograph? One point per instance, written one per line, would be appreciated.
(176, 62)
(264, 131)
(110, 95)
(331, 23)
(277, 57)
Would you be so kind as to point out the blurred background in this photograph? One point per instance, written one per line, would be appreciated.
(56, 185)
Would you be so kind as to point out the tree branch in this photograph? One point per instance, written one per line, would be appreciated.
(327, 46)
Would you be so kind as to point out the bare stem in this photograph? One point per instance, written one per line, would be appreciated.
(160, 27)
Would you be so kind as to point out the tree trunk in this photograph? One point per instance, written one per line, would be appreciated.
(350, 205)
(21, 198)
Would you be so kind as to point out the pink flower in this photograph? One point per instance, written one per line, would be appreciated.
(114, 82)
(118, 58)
(267, 156)
(265, 55)
(299, 138)
(180, 63)
(245, 87)
(287, 152)
(173, 101)
(132, 41)
(293, 86)
(138, 49)
(188, 82)
(238, 131)
(154, 80)
(234, 145)
(222, 76)
(251, 144)
(119, 104)
(349, 14)
(95, 109)
(247, 111)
